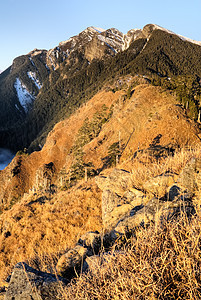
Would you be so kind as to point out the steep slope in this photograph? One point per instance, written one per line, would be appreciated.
(161, 54)
(149, 116)
(112, 116)
(23, 79)
(45, 87)
(19, 87)
(20, 84)
(32, 185)
(47, 204)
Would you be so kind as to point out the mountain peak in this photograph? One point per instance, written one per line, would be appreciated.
(149, 28)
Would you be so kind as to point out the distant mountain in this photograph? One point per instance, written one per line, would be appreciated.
(43, 87)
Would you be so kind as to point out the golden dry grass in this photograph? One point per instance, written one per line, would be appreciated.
(143, 171)
(155, 264)
(159, 262)
(40, 227)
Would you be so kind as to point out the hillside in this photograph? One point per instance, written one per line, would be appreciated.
(45, 187)
(136, 123)
(55, 83)
(115, 120)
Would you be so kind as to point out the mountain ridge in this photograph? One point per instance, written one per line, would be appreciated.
(33, 87)
(118, 136)
(52, 194)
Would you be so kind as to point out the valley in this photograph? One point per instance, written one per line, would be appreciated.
(5, 158)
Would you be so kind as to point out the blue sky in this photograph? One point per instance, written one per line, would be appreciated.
(42, 24)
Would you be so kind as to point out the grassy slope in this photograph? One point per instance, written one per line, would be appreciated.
(40, 226)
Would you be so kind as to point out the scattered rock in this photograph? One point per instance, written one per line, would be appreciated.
(158, 185)
(190, 177)
(177, 193)
(27, 283)
(156, 210)
(124, 208)
(72, 261)
(93, 263)
(91, 240)
(110, 200)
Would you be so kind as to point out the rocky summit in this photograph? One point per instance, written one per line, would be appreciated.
(102, 198)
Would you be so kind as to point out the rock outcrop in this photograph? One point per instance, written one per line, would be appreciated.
(124, 208)
(118, 196)
(27, 283)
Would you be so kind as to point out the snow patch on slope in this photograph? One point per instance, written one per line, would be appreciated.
(105, 40)
(25, 98)
(33, 77)
(99, 30)
(113, 38)
(31, 61)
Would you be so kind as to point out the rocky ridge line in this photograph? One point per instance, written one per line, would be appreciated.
(124, 210)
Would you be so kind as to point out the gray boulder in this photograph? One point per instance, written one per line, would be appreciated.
(119, 197)
(124, 208)
(93, 263)
(72, 261)
(158, 185)
(91, 240)
(27, 283)
(190, 177)
(155, 211)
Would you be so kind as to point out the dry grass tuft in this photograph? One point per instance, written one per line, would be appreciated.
(142, 172)
(156, 264)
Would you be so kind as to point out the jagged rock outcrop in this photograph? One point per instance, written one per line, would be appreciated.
(119, 197)
(125, 209)
(27, 283)
(158, 185)
(96, 49)
(155, 211)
